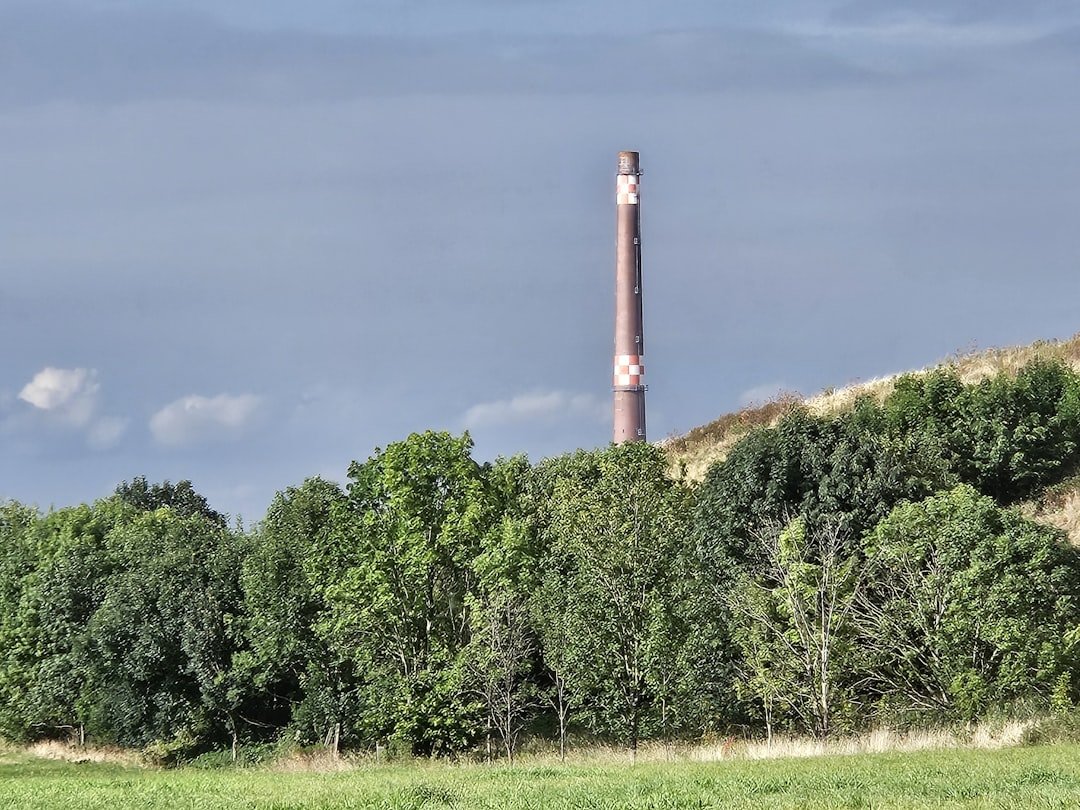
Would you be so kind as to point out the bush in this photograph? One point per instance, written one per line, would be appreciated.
(246, 757)
(172, 753)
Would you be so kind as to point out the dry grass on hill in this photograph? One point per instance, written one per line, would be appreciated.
(1059, 507)
(693, 453)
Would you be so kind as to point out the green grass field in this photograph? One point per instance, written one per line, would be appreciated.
(1020, 777)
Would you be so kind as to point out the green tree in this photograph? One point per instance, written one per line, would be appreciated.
(70, 568)
(181, 497)
(1008, 435)
(414, 515)
(845, 472)
(19, 632)
(794, 625)
(968, 607)
(305, 679)
(616, 539)
(504, 648)
(161, 643)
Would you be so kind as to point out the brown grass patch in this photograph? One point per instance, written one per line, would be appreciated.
(983, 736)
(316, 761)
(54, 749)
(1058, 507)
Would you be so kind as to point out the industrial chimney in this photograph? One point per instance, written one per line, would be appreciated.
(628, 383)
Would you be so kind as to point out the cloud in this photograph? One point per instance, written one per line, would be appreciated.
(114, 56)
(958, 12)
(68, 393)
(106, 432)
(67, 398)
(538, 406)
(193, 419)
(943, 23)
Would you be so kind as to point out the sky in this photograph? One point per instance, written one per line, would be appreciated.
(245, 243)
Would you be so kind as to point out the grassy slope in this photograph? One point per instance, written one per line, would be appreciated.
(700, 448)
(1018, 777)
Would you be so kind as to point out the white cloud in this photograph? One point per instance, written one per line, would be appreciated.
(537, 406)
(197, 418)
(926, 32)
(66, 398)
(69, 393)
(760, 394)
(106, 432)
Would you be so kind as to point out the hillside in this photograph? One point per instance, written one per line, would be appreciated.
(691, 454)
(700, 448)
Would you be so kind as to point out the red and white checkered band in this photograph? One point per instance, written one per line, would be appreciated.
(629, 369)
(626, 189)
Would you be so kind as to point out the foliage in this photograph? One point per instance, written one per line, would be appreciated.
(616, 533)
(793, 626)
(18, 628)
(1006, 436)
(969, 606)
(62, 588)
(180, 497)
(504, 647)
(307, 681)
(161, 641)
(414, 514)
(831, 571)
(846, 472)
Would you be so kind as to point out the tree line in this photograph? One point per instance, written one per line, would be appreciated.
(830, 574)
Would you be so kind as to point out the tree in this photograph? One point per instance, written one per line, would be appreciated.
(550, 600)
(181, 497)
(1008, 435)
(415, 515)
(162, 640)
(503, 650)
(968, 607)
(504, 647)
(617, 538)
(845, 472)
(71, 565)
(794, 627)
(306, 680)
(1018, 433)
(19, 632)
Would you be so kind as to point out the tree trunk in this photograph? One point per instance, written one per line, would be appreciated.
(562, 710)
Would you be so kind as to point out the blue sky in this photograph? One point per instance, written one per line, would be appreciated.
(246, 243)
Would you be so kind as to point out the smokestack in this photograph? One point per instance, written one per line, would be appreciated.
(628, 383)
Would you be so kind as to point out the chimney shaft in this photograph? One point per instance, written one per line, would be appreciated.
(628, 383)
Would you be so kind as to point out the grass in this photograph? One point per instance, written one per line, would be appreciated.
(1046, 776)
(1058, 506)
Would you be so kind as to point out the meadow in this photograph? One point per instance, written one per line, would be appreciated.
(1034, 776)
